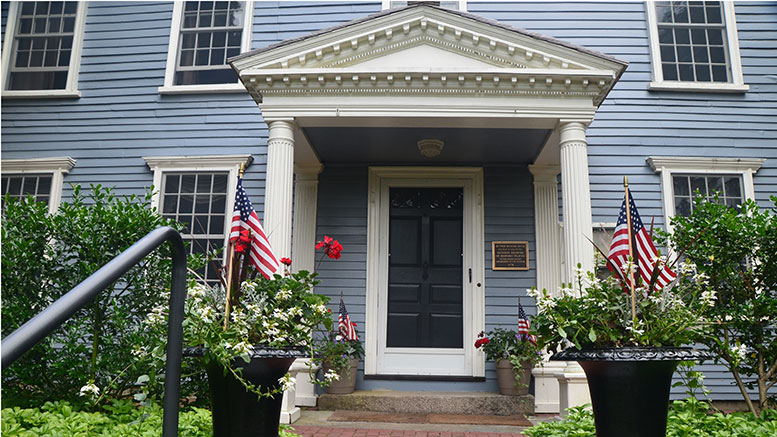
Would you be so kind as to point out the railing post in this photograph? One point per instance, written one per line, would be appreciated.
(174, 338)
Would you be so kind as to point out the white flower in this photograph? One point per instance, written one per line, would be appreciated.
(283, 295)
(90, 390)
(688, 267)
(729, 317)
(708, 297)
(287, 382)
(701, 278)
(739, 352)
(331, 375)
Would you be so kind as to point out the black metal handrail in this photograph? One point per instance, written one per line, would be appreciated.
(43, 324)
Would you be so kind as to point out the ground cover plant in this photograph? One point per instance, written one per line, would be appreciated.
(43, 257)
(688, 418)
(120, 418)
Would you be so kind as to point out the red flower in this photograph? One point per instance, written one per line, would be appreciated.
(480, 342)
(243, 241)
(332, 248)
(286, 261)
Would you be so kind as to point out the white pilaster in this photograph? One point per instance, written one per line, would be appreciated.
(573, 387)
(279, 186)
(546, 387)
(290, 412)
(576, 198)
(546, 228)
(305, 212)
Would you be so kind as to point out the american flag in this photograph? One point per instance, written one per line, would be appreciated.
(645, 251)
(244, 218)
(524, 325)
(344, 325)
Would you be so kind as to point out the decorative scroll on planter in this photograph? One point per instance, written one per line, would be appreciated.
(629, 386)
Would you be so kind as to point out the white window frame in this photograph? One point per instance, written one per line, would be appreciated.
(667, 166)
(386, 4)
(737, 85)
(71, 88)
(56, 167)
(169, 86)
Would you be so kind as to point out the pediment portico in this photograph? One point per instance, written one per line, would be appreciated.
(500, 94)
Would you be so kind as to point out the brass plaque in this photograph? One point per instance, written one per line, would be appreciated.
(509, 255)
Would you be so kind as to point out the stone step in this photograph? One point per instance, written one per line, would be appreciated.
(429, 402)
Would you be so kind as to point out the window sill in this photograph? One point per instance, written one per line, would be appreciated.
(203, 89)
(698, 87)
(41, 94)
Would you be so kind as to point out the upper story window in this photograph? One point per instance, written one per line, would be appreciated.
(681, 177)
(204, 36)
(459, 5)
(694, 46)
(42, 48)
(40, 178)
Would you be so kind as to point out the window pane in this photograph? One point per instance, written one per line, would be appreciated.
(698, 183)
(44, 185)
(667, 53)
(30, 186)
(187, 183)
(719, 73)
(703, 73)
(670, 71)
(680, 184)
(715, 185)
(682, 207)
(686, 72)
(203, 183)
(733, 188)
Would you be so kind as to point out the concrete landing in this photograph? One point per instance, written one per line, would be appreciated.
(427, 402)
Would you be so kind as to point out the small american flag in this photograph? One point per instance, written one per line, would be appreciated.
(645, 251)
(524, 325)
(344, 325)
(244, 218)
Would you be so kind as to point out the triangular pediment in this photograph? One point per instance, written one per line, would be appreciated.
(432, 46)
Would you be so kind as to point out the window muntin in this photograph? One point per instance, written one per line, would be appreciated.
(210, 33)
(684, 187)
(199, 201)
(22, 185)
(692, 39)
(42, 46)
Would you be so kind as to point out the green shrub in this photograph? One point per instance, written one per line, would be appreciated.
(119, 419)
(43, 257)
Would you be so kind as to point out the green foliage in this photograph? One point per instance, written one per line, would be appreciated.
(502, 344)
(43, 257)
(119, 419)
(688, 418)
(597, 313)
(335, 353)
(735, 253)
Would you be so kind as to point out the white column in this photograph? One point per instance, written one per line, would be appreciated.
(278, 191)
(290, 412)
(576, 198)
(548, 241)
(305, 212)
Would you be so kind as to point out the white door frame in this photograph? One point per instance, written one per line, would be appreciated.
(382, 360)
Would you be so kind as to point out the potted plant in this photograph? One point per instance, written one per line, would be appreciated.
(629, 357)
(339, 358)
(515, 355)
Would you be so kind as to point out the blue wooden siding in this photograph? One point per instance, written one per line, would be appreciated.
(121, 117)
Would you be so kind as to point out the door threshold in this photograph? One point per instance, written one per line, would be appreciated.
(451, 378)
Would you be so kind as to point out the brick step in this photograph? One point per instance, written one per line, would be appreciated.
(429, 402)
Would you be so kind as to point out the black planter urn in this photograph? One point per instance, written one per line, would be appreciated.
(629, 386)
(239, 412)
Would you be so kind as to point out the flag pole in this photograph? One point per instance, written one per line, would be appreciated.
(231, 267)
(631, 251)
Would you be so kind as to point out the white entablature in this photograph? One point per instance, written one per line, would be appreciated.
(426, 51)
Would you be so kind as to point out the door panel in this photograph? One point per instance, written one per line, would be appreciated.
(425, 268)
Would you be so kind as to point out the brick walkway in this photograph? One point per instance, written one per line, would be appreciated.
(317, 431)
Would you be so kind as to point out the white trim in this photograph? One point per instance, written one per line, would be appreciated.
(58, 167)
(737, 85)
(230, 163)
(172, 55)
(668, 165)
(380, 179)
(386, 4)
(71, 88)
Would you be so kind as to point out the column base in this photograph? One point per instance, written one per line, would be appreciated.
(546, 388)
(573, 387)
(290, 416)
(306, 390)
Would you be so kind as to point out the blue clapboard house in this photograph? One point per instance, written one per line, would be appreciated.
(421, 135)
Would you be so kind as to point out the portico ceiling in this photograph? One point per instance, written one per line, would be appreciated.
(398, 145)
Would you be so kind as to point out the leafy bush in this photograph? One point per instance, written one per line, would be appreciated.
(119, 419)
(735, 253)
(688, 418)
(43, 257)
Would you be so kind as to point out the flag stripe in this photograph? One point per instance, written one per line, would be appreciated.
(244, 218)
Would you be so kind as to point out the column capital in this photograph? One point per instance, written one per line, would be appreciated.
(545, 174)
(572, 132)
(281, 130)
(308, 171)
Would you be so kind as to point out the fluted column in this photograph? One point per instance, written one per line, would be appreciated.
(548, 240)
(305, 212)
(576, 198)
(278, 192)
